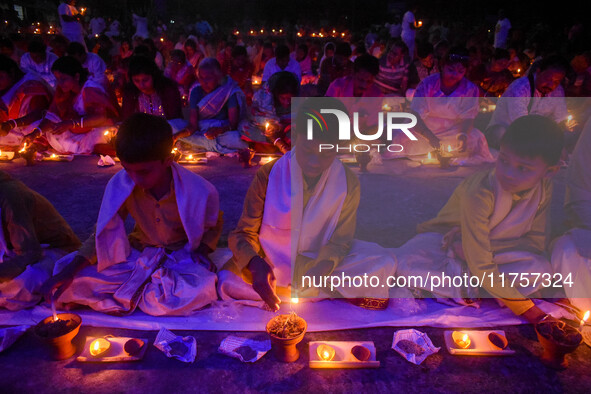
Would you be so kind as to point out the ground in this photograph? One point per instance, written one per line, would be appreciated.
(395, 197)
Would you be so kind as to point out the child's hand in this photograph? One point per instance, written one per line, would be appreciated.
(61, 127)
(213, 132)
(264, 282)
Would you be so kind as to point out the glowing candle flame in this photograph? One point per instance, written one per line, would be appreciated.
(99, 346)
(53, 156)
(267, 126)
(53, 311)
(190, 157)
(295, 300)
(518, 70)
(585, 318)
(570, 118)
(106, 132)
(325, 352)
(465, 338)
(449, 148)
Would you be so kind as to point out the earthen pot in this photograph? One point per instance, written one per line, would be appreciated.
(555, 352)
(285, 349)
(61, 346)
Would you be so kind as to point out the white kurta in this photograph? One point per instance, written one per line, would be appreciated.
(160, 283)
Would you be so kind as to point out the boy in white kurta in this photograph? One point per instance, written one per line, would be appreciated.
(163, 266)
(495, 222)
(571, 253)
(299, 219)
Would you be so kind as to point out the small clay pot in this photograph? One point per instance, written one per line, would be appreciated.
(554, 352)
(61, 346)
(285, 349)
(444, 161)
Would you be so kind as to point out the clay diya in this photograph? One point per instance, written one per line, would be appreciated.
(286, 331)
(58, 334)
(558, 339)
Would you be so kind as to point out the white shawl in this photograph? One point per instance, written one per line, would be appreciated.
(198, 204)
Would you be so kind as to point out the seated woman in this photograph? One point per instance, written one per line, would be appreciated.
(180, 71)
(81, 109)
(20, 94)
(446, 105)
(217, 106)
(152, 93)
(267, 128)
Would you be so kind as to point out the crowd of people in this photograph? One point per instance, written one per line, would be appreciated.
(233, 96)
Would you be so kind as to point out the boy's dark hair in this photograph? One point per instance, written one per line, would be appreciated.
(75, 48)
(325, 127)
(11, 68)
(368, 63)
(37, 46)
(282, 51)
(71, 66)
(534, 136)
(284, 82)
(424, 49)
(239, 50)
(555, 62)
(143, 138)
(190, 43)
(178, 55)
(343, 49)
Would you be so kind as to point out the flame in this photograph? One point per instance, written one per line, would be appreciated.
(267, 126)
(95, 347)
(518, 70)
(190, 157)
(570, 117)
(586, 316)
(449, 148)
(465, 338)
(325, 355)
(161, 39)
(106, 132)
(53, 156)
(429, 156)
(295, 300)
(342, 34)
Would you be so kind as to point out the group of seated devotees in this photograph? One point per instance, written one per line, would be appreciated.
(299, 219)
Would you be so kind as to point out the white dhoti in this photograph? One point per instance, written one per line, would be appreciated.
(365, 258)
(568, 262)
(157, 283)
(72, 143)
(24, 290)
(424, 257)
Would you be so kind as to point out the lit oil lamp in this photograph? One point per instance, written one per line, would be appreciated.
(6, 155)
(99, 347)
(325, 352)
(430, 159)
(461, 339)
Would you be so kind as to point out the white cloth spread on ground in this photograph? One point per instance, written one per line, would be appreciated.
(160, 283)
(325, 315)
